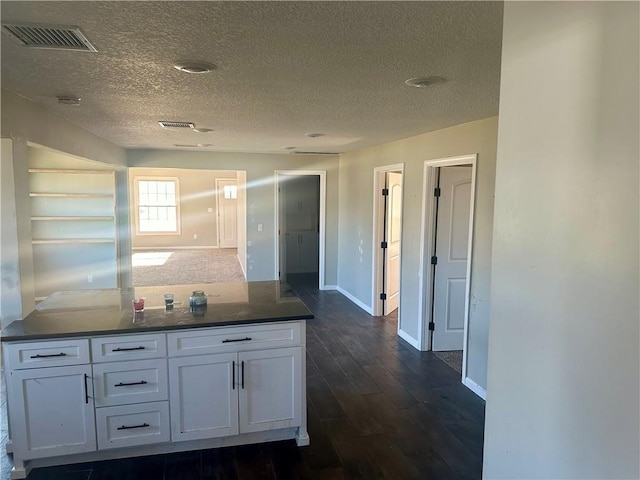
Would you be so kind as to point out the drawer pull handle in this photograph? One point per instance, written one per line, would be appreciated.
(129, 427)
(141, 382)
(62, 354)
(245, 339)
(128, 349)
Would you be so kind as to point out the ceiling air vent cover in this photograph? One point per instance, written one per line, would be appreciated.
(168, 124)
(49, 36)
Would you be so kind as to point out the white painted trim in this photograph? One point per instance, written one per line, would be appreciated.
(159, 247)
(323, 209)
(364, 307)
(409, 339)
(330, 287)
(475, 388)
(376, 261)
(241, 267)
(425, 280)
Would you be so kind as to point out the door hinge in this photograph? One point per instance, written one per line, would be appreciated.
(385, 192)
(432, 326)
(383, 296)
(383, 244)
(436, 192)
(434, 260)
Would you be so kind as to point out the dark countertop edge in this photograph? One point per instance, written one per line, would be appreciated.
(151, 329)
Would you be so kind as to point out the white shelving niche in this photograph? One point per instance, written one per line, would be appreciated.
(73, 229)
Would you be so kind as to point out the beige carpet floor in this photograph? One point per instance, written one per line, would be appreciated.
(179, 267)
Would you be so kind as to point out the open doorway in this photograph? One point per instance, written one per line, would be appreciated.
(447, 239)
(387, 238)
(300, 207)
(187, 226)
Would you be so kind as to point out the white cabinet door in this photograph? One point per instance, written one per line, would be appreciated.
(203, 396)
(52, 411)
(270, 389)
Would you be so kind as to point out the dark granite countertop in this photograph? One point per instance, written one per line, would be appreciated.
(104, 312)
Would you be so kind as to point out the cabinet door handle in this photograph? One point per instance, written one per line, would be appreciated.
(141, 382)
(242, 375)
(61, 354)
(245, 339)
(129, 427)
(233, 375)
(86, 390)
(128, 349)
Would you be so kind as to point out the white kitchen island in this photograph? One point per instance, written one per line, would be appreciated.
(94, 383)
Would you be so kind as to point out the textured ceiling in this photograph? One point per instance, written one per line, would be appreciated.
(284, 69)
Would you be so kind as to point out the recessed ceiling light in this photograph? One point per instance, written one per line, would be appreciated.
(203, 130)
(314, 135)
(194, 67)
(288, 148)
(74, 101)
(422, 82)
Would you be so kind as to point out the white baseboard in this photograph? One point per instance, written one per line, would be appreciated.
(409, 339)
(366, 308)
(475, 388)
(329, 287)
(175, 248)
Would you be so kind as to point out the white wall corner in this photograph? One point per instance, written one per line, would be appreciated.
(475, 388)
(363, 306)
(409, 339)
(329, 287)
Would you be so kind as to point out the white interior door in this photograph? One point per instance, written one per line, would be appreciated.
(452, 237)
(227, 212)
(392, 237)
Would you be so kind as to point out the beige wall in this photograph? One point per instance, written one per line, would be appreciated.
(564, 363)
(356, 224)
(10, 300)
(196, 196)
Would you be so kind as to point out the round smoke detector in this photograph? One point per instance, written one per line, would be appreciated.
(194, 67)
(423, 82)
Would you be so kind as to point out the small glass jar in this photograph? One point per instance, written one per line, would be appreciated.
(197, 299)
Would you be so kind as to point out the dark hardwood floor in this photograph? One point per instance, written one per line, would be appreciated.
(377, 408)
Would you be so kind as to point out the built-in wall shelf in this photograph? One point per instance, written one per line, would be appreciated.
(61, 241)
(73, 229)
(73, 219)
(70, 195)
(70, 172)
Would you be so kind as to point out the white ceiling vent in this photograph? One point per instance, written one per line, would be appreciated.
(169, 124)
(49, 36)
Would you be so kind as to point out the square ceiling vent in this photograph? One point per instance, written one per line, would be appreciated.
(49, 36)
(172, 124)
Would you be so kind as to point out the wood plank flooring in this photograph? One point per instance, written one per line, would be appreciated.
(377, 409)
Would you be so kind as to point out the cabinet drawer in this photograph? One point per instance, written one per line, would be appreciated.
(121, 383)
(128, 347)
(227, 339)
(129, 425)
(47, 354)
